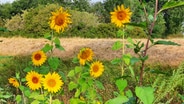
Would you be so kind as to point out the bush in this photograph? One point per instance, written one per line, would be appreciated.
(135, 32)
(15, 23)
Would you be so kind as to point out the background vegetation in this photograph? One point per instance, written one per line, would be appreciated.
(26, 18)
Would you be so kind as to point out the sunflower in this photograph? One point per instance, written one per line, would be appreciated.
(96, 69)
(38, 58)
(52, 82)
(34, 80)
(59, 20)
(14, 82)
(84, 55)
(120, 16)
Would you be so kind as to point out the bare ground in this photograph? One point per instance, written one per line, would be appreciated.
(160, 54)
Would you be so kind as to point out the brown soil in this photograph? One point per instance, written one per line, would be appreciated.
(160, 54)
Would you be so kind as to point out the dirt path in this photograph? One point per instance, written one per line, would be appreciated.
(167, 55)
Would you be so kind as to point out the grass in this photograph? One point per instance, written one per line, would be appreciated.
(12, 64)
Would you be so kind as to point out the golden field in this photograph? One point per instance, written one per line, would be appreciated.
(159, 54)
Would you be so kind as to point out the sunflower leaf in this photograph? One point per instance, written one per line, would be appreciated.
(72, 86)
(53, 62)
(117, 45)
(47, 48)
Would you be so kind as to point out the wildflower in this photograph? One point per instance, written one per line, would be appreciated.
(52, 82)
(120, 16)
(33, 80)
(96, 69)
(84, 55)
(14, 82)
(38, 58)
(59, 20)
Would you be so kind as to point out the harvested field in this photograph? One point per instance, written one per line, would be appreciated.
(160, 54)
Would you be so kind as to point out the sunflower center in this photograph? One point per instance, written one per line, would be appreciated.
(37, 57)
(95, 68)
(85, 54)
(59, 20)
(51, 83)
(35, 80)
(121, 15)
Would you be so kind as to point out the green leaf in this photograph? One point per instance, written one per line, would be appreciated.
(47, 36)
(117, 45)
(145, 94)
(36, 96)
(71, 73)
(47, 48)
(133, 60)
(132, 71)
(116, 61)
(118, 100)
(53, 62)
(72, 85)
(99, 85)
(163, 42)
(129, 93)
(57, 44)
(171, 4)
(120, 33)
(130, 40)
(121, 84)
(59, 47)
(35, 102)
(28, 69)
(6, 96)
(76, 101)
(78, 69)
(151, 18)
(77, 93)
(44, 70)
(75, 60)
(56, 101)
(126, 58)
(18, 99)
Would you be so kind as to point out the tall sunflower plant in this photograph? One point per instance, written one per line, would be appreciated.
(121, 18)
(43, 79)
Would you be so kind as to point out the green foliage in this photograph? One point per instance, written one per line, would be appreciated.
(83, 18)
(4, 96)
(37, 24)
(166, 86)
(15, 23)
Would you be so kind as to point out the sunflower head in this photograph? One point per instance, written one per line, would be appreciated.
(14, 82)
(34, 80)
(120, 16)
(59, 20)
(85, 54)
(96, 69)
(38, 58)
(52, 82)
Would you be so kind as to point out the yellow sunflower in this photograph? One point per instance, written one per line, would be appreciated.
(38, 58)
(59, 20)
(85, 54)
(14, 82)
(52, 82)
(96, 69)
(34, 80)
(120, 15)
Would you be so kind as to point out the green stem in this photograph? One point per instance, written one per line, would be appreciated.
(50, 100)
(123, 52)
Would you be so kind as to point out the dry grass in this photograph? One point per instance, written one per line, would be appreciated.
(165, 55)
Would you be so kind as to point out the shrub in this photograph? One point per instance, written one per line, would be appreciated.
(15, 23)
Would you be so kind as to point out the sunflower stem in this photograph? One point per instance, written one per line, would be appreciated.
(123, 52)
(50, 100)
